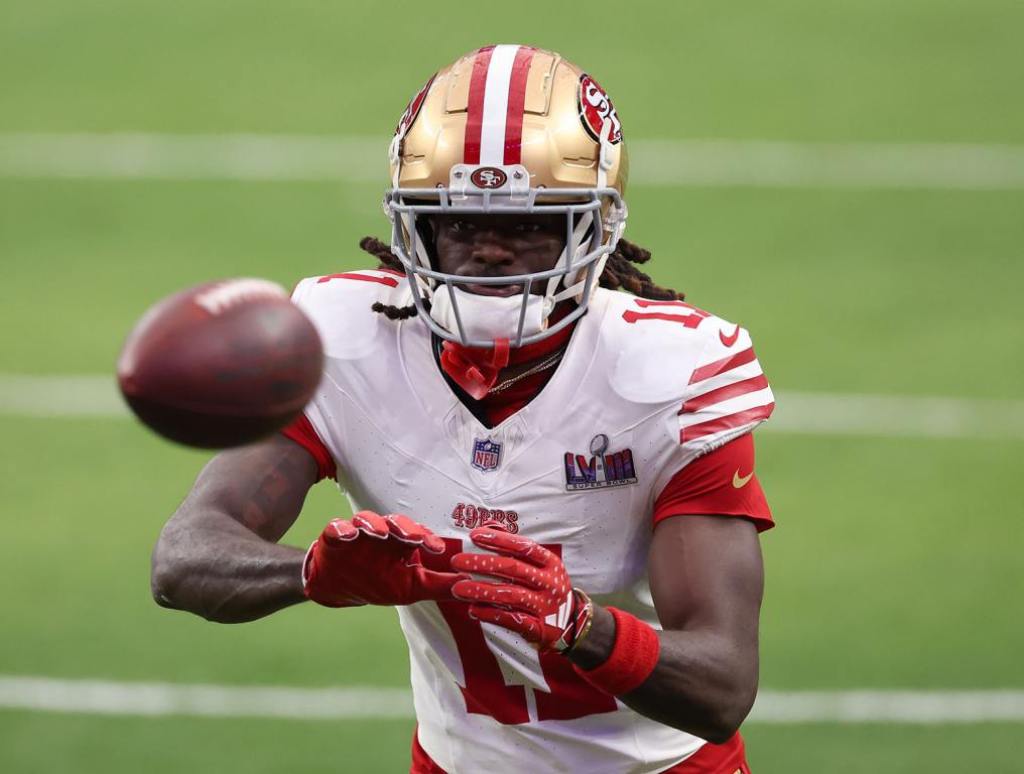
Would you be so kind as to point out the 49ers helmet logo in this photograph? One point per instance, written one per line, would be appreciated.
(488, 177)
(596, 108)
(412, 109)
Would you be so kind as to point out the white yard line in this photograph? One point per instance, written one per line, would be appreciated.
(743, 163)
(772, 164)
(919, 707)
(104, 697)
(796, 412)
(60, 396)
(896, 416)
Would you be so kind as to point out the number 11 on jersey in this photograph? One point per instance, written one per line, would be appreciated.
(487, 693)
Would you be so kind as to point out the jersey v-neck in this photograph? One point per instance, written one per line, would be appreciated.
(494, 408)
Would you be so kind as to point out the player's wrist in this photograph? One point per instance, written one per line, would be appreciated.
(579, 625)
(593, 647)
(630, 658)
(583, 619)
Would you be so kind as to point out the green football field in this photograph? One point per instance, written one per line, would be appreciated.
(897, 562)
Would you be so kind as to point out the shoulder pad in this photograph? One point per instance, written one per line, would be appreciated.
(656, 346)
(340, 306)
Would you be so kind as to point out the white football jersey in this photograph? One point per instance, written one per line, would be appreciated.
(644, 388)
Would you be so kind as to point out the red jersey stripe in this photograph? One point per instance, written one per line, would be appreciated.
(689, 320)
(303, 433)
(753, 384)
(475, 108)
(644, 303)
(718, 424)
(516, 100)
(356, 276)
(723, 365)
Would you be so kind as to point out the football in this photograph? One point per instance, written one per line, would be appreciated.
(221, 364)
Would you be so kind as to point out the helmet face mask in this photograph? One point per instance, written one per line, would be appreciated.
(445, 161)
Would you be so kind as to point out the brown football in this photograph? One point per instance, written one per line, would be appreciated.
(221, 364)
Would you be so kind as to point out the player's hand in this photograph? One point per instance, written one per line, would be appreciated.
(536, 598)
(374, 560)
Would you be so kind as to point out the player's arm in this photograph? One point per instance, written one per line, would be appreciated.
(707, 580)
(699, 674)
(705, 570)
(218, 555)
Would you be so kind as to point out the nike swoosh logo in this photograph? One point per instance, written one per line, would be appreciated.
(731, 338)
(741, 481)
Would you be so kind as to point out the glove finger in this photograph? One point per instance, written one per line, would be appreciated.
(431, 584)
(526, 625)
(371, 523)
(506, 543)
(508, 596)
(504, 567)
(339, 531)
(409, 531)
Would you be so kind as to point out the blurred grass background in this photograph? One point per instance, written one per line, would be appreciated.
(896, 560)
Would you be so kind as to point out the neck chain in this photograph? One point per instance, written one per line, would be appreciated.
(548, 362)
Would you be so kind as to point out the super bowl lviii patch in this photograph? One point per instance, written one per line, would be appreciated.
(600, 468)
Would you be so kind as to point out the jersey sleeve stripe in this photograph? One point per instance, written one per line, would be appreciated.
(302, 432)
(737, 374)
(724, 393)
(723, 365)
(727, 422)
(733, 405)
(352, 275)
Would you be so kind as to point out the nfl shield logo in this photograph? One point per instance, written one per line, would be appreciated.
(486, 454)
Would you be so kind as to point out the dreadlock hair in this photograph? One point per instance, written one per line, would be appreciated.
(388, 260)
(620, 273)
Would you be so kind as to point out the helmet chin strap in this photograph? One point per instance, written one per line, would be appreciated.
(568, 257)
(578, 248)
(421, 257)
(604, 161)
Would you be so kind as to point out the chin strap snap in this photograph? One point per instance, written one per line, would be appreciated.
(474, 369)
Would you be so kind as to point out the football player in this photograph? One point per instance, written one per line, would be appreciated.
(531, 434)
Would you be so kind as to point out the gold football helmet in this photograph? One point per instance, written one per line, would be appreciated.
(508, 130)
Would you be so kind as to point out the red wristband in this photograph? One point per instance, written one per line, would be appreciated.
(634, 656)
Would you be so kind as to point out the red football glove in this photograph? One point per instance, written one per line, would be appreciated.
(374, 560)
(538, 600)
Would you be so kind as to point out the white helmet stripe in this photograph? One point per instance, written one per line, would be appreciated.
(499, 77)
